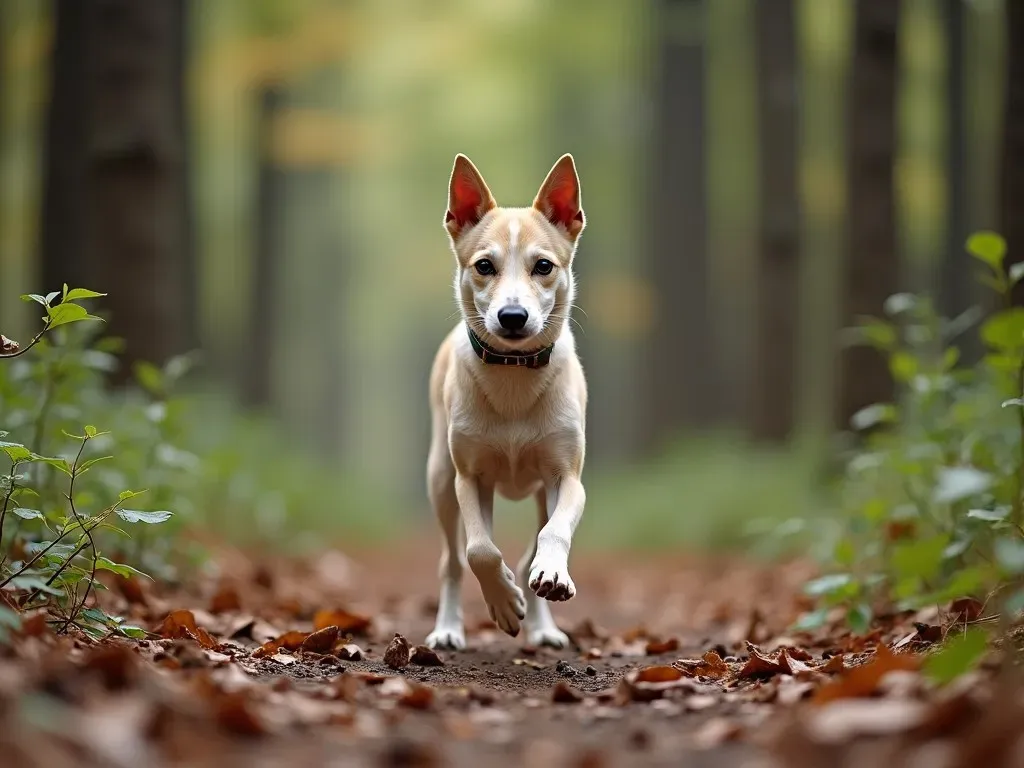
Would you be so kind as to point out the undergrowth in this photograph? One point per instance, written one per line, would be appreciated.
(933, 494)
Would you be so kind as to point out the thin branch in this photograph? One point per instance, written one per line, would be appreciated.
(88, 532)
(35, 340)
(3, 512)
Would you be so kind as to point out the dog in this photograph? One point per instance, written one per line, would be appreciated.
(508, 401)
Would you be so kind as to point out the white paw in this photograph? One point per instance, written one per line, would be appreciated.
(549, 578)
(505, 601)
(447, 638)
(550, 636)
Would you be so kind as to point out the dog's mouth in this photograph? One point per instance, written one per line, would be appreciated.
(512, 335)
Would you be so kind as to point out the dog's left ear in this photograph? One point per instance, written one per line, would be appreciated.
(559, 197)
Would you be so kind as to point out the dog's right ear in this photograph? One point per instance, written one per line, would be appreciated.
(468, 197)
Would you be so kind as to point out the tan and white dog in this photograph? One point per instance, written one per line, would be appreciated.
(508, 400)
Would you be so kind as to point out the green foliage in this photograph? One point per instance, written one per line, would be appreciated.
(933, 492)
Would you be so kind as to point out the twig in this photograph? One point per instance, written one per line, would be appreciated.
(88, 532)
(3, 512)
(35, 340)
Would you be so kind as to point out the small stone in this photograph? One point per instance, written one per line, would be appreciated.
(398, 652)
(565, 668)
(590, 670)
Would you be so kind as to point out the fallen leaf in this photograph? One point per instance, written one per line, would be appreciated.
(708, 665)
(233, 713)
(418, 697)
(717, 731)
(321, 641)
(283, 659)
(8, 346)
(966, 609)
(863, 680)
(834, 665)
(563, 693)
(658, 674)
(636, 633)
(398, 653)
(426, 657)
(350, 652)
(131, 589)
(289, 641)
(656, 647)
(347, 623)
(762, 666)
(181, 624)
(225, 599)
(840, 721)
(650, 683)
(586, 630)
(116, 664)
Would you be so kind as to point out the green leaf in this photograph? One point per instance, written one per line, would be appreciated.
(824, 585)
(1010, 554)
(811, 620)
(63, 314)
(1016, 272)
(119, 568)
(59, 464)
(989, 515)
(16, 452)
(859, 618)
(28, 514)
(34, 297)
(8, 618)
(1004, 330)
(150, 377)
(873, 415)
(1014, 400)
(960, 655)
(920, 559)
(845, 553)
(125, 495)
(987, 247)
(28, 582)
(86, 466)
(136, 633)
(904, 366)
(957, 483)
(82, 293)
(137, 516)
(90, 430)
(51, 296)
(899, 303)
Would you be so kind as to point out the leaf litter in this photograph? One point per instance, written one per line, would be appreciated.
(269, 664)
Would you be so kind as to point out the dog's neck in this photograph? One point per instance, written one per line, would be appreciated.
(490, 356)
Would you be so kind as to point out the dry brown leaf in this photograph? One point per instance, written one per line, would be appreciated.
(8, 346)
(418, 697)
(181, 624)
(708, 665)
(650, 683)
(131, 589)
(863, 680)
(283, 659)
(233, 713)
(966, 609)
(658, 674)
(398, 653)
(636, 633)
(347, 623)
(289, 641)
(426, 657)
(656, 647)
(563, 693)
(834, 665)
(321, 641)
(225, 599)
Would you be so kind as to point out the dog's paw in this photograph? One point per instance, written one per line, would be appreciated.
(447, 638)
(550, 579)
(505, 601)
(547, 636)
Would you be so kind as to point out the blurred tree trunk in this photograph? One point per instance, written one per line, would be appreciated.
(256, 383)
(778, 273)
(114, 212)
(957, 286)
(189, 265)
(1012, 175)
(62, 252)
(683, 391)
(872, 271)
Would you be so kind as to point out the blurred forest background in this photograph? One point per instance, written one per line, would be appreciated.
(265, 180)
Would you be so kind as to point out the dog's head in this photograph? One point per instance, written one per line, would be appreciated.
(514, 283)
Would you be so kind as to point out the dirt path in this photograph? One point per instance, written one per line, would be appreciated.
(233, 676)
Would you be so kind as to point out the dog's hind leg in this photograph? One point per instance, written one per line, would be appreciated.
(448, 629)
(540, 625)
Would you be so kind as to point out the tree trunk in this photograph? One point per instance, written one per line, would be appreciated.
(872, 271)
(778, 273)
(957, 286)
(256, 385)
(1012, 178)
(62, 252)
(683, 387)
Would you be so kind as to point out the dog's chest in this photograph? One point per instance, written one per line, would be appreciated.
(509, 455)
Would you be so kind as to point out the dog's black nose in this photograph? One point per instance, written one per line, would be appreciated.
(513, 318)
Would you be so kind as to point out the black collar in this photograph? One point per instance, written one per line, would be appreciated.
(522, 360)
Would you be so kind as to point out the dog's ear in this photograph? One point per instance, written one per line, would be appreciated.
(468, 197)
(559, 197)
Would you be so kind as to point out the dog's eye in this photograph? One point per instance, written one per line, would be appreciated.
(543, 267)
(485, 267)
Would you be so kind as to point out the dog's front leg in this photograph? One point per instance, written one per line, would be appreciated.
(549, 574)
(505, 601)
